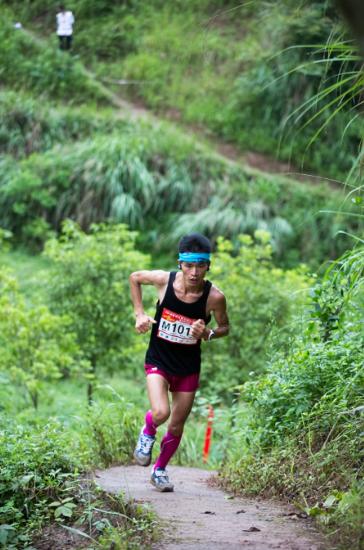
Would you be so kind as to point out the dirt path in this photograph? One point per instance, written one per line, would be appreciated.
(252, 161)
(198, 515)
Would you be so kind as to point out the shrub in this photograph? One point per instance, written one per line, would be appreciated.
(29, 125)
(261, 298)
(112, 428)
(135, 175)
(298, 428)
(34, 472)
(36, 345)
(90, 282)
(44, 490)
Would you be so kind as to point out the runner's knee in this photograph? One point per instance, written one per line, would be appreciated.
(160, 415)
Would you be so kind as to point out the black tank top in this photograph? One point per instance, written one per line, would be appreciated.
(172, 347)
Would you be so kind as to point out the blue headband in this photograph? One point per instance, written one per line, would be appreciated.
(194, 257)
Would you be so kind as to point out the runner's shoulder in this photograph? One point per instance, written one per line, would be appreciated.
(216, 296)
(156, 277)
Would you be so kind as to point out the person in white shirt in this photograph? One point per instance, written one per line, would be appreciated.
(65, 22)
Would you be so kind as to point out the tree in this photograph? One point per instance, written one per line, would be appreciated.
(36, 345)
(89, 282)
(262, 301)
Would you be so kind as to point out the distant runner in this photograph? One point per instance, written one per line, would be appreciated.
(173, 359)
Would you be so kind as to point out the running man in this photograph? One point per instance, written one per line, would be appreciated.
(173, 359)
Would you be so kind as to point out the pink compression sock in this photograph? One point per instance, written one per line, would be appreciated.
(150, 428)
(169, 445)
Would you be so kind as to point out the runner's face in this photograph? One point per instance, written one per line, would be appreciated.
(194, 272)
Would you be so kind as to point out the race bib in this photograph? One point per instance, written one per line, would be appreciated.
(176, 328)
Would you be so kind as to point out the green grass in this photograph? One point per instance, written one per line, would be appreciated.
(238, 70)
(66, 403)
(29, 270)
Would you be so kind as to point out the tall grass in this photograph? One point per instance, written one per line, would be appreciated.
(142, 172)
(298, 428)
(41, 67)
(29, 124)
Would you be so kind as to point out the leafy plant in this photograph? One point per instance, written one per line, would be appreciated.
(262, 301)
(36, 345)
(90, 282)
(299, 427)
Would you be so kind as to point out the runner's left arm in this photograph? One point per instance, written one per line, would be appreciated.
(219, 308)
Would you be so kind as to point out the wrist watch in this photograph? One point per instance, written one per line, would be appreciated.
(212, 332)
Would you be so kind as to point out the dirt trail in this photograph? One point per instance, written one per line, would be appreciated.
(200, 515)
(251, 160)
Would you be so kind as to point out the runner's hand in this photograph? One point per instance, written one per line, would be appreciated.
(143, 323)
(198, 328)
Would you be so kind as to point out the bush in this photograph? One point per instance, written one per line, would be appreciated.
(36, 345)
(113, 429)
(122, 178)
(90, 281)
(261, 298)
(34, 472)
(29, 125)
(144, 172)
(45, 491)
(298, 428)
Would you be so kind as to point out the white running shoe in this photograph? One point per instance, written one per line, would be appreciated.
(143, 449)
(160, 480)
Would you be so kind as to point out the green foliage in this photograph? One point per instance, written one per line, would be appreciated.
(118, 177)
(5, 237)
(43, 68)
(34, 471)
(323, 366)
(245, 73)
(40, 484)
(113, 427)
(28, 125)
(261, 298)
(298, 430)
(137, 526)
(90, 282)
(36, 345)
(255, 74)
(29, 270)
(108, 37)
(145, 172)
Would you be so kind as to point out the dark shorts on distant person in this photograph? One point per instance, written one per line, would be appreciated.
(176, 383)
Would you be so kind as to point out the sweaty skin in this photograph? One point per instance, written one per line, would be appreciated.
(188, 287)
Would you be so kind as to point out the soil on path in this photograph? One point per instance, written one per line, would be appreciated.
(199, 515)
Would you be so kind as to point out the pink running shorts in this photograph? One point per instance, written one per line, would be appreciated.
(176, 383)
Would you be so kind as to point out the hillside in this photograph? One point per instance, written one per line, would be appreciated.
(248, 72)
(93, 162)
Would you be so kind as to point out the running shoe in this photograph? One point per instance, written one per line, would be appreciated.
(160, 480)
(143, 449)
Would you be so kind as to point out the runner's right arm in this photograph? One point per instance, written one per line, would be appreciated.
(159, 279)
